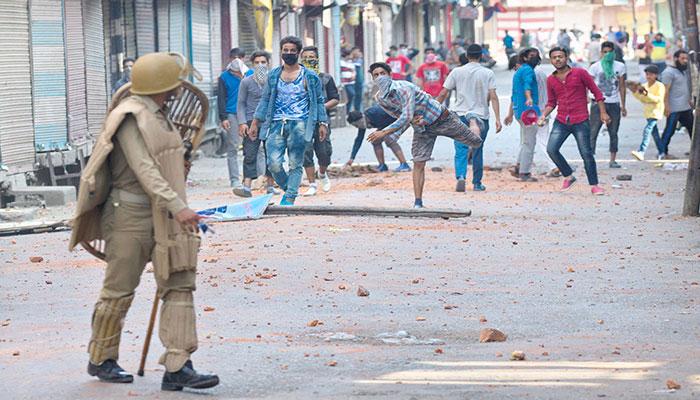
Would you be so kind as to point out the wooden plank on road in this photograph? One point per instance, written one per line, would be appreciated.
(368, 211)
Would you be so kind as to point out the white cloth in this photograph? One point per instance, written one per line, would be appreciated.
(609, 87)
(541, 77)
(471, 83)
(237, 65)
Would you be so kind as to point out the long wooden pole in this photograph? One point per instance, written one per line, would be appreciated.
(149, 334)
(691, 203)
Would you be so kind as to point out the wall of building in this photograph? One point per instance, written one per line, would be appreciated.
(62, 57)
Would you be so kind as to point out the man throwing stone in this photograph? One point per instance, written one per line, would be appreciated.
(410, 105)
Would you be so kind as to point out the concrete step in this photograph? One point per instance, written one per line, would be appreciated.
(49, 196)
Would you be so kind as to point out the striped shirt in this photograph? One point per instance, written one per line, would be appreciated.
(405, 102)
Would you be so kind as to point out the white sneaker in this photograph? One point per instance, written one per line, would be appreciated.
(638, 155)
(313, 189)
(325, 183)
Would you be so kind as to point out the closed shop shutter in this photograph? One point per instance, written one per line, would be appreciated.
(215, 29)
(201, 43)
(75, 72)
(48, 75)
(145, 27)
(215, 20)
(95, 67)
(129, 29)
(163, 19)
(178, 27)
(246, 27)
(16, 129)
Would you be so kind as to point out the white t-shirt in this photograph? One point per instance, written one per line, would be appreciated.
(609, 87)
(541, 77)
(471, 83)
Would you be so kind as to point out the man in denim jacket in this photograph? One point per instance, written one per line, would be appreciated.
(291, 107)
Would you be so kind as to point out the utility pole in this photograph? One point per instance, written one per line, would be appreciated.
(691, 203)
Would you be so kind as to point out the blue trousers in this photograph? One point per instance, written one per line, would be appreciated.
(650, 130)
(286, 136)
(462, 154)
(582, 134)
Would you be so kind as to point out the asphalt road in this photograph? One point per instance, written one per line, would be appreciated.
(600, 293)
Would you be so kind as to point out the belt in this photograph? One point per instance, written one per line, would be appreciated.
(445, 114)
(123, 195)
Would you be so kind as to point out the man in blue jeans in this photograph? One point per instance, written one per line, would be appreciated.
(475, 86)
(291, 108)
(567, 90)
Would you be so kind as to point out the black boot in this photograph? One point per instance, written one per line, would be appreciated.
(187, 377)
(110, 371)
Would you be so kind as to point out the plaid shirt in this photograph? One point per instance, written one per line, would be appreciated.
(405, 102)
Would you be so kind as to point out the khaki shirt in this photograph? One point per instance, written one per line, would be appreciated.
(132, 167)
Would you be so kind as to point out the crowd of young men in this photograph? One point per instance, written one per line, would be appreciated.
(288, 109)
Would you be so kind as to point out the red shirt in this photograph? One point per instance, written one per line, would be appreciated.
(433, 77)
(571, 95)
(398, 66)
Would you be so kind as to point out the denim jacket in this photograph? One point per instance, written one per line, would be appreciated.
(317, 109)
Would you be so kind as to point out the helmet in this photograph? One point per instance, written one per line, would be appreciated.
(156, 73)
(529, 116)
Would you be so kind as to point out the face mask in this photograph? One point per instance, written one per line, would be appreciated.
(260, 74)
(311, 63)
(430, 58)
(383, 84)
(681, 67)
(392, 53)
(290, 58)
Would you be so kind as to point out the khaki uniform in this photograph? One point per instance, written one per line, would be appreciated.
(138, 168)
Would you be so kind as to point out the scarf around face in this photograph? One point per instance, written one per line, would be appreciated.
(237, 65)
(607, 62)
(312, 65)
(260, 74)
(383, 85)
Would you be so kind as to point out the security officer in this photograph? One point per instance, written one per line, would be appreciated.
(132, 195)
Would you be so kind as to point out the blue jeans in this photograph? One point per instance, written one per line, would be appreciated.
(685, 118)
(582, 134)
(462, 153)
(651, 129)
(289, 136)
(350, 92)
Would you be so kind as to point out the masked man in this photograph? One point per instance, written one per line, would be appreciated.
(292, 108)
(609, 76)
(410, 105)
(132, 195)
(322, 148)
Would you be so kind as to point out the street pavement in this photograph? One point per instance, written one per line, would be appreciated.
(600, 293)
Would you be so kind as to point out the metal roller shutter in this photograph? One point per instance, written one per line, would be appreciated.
(48, 75)
(215, 29)
(201, 43)
(95, 67)
(16, 130)
(145, 27)
(129, 29)
(75, 72)
(163, 19)
(178, 27)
